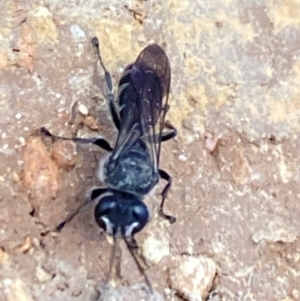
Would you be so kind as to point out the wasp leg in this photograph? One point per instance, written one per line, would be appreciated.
(94, 194)
(97, 141)
(165, 136)
(170, 134)
(113, 111)
(164, 175)
(110, 97)
(114, 261)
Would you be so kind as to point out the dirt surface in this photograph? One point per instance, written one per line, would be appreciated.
(235, 162)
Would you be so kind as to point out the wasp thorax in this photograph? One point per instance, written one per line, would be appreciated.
(121, 214)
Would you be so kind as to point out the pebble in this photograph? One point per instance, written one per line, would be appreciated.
(192, 277)
(18, 116)
(42, 275)
(211, 142)
(83, 109)
(91, 123)
(26, 245)
(77, 32)
(22, 141)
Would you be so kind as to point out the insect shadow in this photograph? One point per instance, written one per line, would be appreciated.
(131, 169)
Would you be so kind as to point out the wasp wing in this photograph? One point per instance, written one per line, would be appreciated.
(143, 101)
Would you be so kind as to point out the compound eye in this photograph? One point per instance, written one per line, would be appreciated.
(104, 206)
(103, 209)
(141, 214)
(101, 224)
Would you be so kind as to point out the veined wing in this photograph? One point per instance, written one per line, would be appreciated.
(143, 101)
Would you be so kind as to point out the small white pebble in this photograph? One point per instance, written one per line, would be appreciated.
(18, 116)
(20, 162)
(168, 293)
(60, 110)
(22, 140)
(77, 32)
(7, 282)
(182, 157)
(3, 135)
(83, 110)
(26, 129)
(211, 142)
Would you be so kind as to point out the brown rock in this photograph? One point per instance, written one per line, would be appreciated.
(27, 47)
(40, 172)
(192, 277)
(241, 169)
(64, 153)
(41, 20)
(90, 122)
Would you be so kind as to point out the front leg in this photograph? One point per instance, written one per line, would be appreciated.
(94, 195)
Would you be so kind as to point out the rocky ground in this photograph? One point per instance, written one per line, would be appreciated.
(235, 162)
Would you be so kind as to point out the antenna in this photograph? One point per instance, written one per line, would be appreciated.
(112, 258)
(108, 81)
(132, 249)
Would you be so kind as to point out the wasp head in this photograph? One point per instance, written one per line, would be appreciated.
(121, 214)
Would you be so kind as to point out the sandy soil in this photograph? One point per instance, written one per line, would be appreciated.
(235, 89)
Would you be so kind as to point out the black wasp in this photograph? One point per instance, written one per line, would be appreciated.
(131, 170)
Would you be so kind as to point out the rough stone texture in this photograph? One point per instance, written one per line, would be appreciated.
(16, 290)
(40, 172)
(235, 75)
(156, 245)
(192, 277)
(129, 293)
(64, 153)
